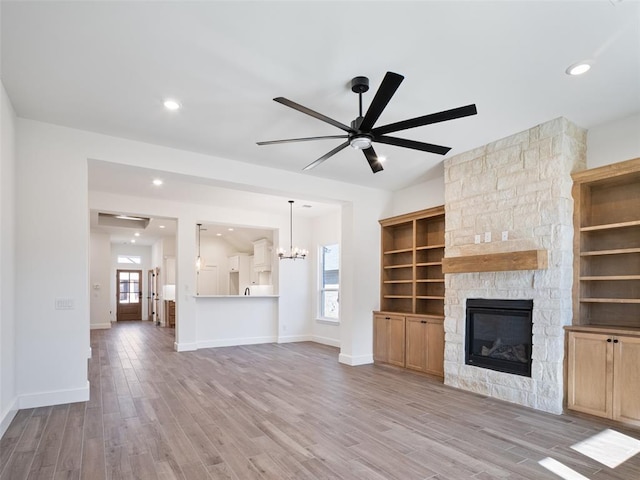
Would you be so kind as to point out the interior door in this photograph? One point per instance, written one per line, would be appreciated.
(129, 299)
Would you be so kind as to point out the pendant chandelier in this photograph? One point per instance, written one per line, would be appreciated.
(294, 252)
(199, 258)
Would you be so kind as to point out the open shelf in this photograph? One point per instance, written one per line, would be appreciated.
(607, 245)
(412, 251)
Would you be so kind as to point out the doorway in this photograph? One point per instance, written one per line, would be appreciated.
(129, 295)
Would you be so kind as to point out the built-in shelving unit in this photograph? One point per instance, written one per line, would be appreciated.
(607, 245)
(412, 251)
(408, 329)
(603, 344)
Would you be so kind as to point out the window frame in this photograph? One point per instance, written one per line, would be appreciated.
(323, 289)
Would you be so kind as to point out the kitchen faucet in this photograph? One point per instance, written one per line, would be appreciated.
(247, 291)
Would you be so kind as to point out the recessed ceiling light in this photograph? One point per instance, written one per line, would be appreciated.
(133, 240)
(218, 234)
(160, 226)
(171, 104)
(578, 68)
(136, 234)
(230, 229)
(157, 182)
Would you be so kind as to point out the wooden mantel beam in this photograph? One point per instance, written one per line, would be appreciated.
(497, 262)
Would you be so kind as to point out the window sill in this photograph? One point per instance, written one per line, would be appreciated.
(328, 321)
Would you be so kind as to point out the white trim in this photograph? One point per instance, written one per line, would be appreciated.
(232, 342)
(90, 353)
(97, 326)
(353, 361)
(58, 397)
(326, 341)
(185, 347)
(7, 416)
(328, 321)
(295, 338)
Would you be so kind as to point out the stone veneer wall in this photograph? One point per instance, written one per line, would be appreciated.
(520, 184)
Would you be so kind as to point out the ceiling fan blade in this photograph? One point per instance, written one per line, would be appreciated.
(292, 140)
(387, 88)
(403, 142)
(372, 158)
(326, 155)
(427, 119)
(312, 113)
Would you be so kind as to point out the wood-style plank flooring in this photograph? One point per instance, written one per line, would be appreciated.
(287, 411)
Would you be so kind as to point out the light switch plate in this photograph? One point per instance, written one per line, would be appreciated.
(487, 237)
(505, 235)
(476, 239)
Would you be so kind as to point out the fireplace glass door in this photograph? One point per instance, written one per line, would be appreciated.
(499, 335)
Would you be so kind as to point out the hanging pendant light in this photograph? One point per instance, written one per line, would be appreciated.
(294, 252)
(199, 258)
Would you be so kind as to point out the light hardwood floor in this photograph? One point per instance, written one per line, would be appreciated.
(287, 411)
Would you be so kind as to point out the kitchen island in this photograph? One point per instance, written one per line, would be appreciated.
(227, 320)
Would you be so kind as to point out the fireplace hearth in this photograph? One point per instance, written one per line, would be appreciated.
(499, 335)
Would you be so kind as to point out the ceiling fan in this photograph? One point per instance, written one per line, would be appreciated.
(362, 133)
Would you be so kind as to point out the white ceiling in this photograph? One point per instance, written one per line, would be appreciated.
(107, 66)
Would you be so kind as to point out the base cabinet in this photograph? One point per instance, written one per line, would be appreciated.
(424, 346)
(388, 339)
(412, 341)
(603, 375)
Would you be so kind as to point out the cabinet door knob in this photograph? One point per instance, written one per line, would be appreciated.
(423, 321)
(615, 341)
(609, 340)
(389, 318)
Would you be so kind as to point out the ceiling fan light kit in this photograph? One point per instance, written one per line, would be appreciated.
(362, 133)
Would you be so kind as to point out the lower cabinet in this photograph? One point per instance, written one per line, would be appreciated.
(170, 313)
(388, 339)
(602, 374)
(412, 341)
(424, 346)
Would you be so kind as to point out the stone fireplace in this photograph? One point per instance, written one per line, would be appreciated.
(520, 185)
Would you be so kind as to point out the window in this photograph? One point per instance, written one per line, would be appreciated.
(329, 281)
(129, 259)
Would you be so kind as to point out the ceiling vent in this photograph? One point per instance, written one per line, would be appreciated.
(126, 221)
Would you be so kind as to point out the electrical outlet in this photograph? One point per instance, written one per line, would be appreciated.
(487, 237)
(476, 239)
(505, 235)
(64, 304)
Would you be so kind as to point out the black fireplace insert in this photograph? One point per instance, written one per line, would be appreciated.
(499, 335)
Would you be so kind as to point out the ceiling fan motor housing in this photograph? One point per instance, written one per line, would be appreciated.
(359, 84)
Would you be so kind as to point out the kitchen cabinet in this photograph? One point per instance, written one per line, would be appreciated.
(388, 339)
(239, 273)
(602, 371)
(262, 255)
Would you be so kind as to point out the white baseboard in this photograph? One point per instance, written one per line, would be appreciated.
(100, 326)
(294, 338)
(45, 399)
(332, 342)
(185, 347)
(355, 360)
(7, 416)
(231, 342)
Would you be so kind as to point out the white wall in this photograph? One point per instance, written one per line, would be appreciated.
(614, 142)
(417, 197)
(101, 285)
(325, 231)
(8, 391)
(142, 251)
(52, 249)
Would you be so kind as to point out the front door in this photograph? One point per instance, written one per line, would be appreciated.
(129, 295)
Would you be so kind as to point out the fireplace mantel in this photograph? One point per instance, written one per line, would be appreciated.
(497, 262)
